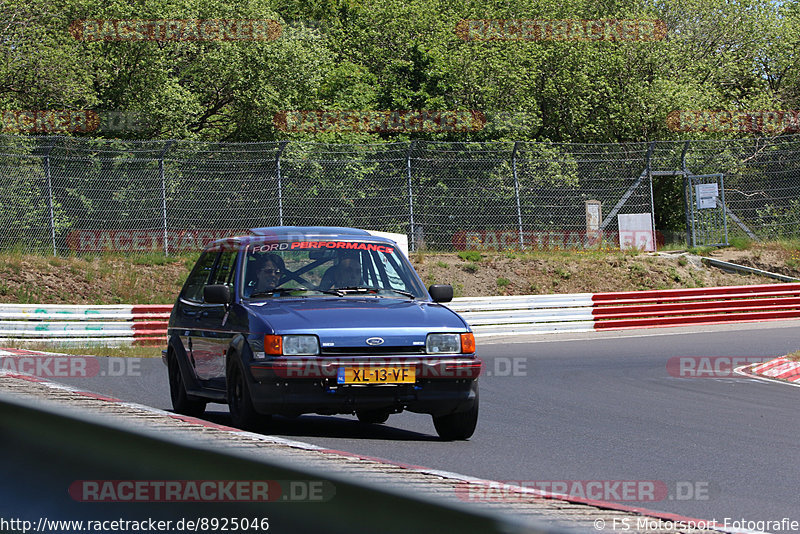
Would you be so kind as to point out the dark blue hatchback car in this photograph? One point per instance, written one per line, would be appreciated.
(293, 320)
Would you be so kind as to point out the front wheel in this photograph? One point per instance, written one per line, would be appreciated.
(240, 405)
(459, 425)
(181, 402)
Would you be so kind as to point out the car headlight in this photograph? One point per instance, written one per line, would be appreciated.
(443, 344)
(300, 345)
(291, 345)
(450, 343)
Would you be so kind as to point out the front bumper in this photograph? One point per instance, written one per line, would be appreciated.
(292, 386)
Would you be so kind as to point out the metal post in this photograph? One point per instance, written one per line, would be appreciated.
(411, 197)
(516, 193)
(648, 164)
(50, 194)
(724, 208)
(281, 148)
(164, 191)
(690, 191)
(686, 204)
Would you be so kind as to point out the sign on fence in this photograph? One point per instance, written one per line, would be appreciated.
(707, 196)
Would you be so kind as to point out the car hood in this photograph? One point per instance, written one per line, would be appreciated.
(349, 321)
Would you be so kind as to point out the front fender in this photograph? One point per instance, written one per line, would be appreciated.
(239, 348)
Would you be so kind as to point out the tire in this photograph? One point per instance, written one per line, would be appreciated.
(457, 426)
(181, 403)
(240, 405)
(374, 417)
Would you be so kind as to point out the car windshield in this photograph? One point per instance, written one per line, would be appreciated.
(328, 268)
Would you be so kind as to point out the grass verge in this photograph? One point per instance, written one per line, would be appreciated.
(94, 350)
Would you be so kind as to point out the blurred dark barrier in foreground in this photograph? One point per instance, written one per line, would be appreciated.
(56, 463)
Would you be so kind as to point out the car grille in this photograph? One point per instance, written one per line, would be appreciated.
(372, 351)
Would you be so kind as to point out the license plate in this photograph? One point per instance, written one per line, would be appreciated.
(376, 375)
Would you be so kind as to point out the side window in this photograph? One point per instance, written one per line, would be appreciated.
(193, 288)
(226, 268)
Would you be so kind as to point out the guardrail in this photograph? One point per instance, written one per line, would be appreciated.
(634, 309)
(676, 307)
(528, 314)
(75, 324)
(735, 268)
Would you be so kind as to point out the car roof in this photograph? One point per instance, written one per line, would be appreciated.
(306, 233)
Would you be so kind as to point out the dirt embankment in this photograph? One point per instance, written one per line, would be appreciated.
(562, 272)
(92, 280)
(155, 279)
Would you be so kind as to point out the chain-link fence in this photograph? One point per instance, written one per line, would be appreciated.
(62, 194)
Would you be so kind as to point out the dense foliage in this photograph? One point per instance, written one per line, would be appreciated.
(399, 55)
(354, 55)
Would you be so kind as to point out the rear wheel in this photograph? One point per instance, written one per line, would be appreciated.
(459, 425)
(240, 405)
(373, 416)
(181, 402)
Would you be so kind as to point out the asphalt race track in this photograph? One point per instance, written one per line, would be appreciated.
(591, 407)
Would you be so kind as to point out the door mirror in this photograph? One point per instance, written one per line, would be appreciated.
(217, 294)
(441, 292)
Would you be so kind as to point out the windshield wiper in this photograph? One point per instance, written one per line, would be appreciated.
(404, 293)
(329, 291)
(362, 289)
(287, 290)
(359, 289)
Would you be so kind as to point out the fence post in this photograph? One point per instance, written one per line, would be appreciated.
(280, 180)
(164, 191)
(50, 194)
(516, 193)
(648, 166)
(411, 196)
(686, 206)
